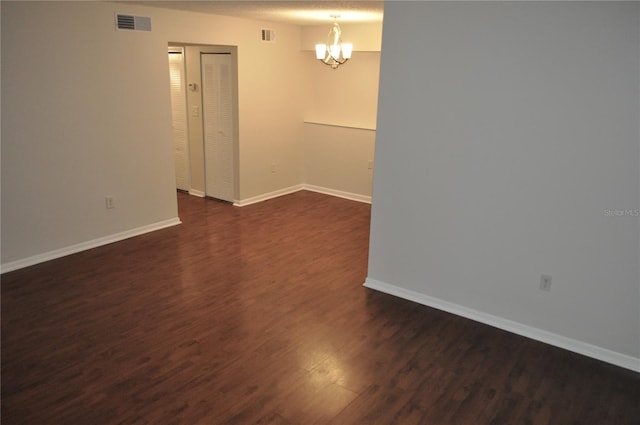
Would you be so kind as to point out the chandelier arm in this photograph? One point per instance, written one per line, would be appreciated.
(338, 60)
(332, 62)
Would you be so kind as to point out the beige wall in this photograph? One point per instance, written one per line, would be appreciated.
(347, 96)
(340, 124)
(271, 92)
(86, 114)
(339, 160)
(365, 37)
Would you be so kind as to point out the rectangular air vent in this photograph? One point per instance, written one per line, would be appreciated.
(268, 36)
(133, 23)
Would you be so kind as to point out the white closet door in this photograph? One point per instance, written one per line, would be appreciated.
(218, 125)
(179, 118)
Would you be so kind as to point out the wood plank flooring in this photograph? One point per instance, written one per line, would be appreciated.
(257, 315)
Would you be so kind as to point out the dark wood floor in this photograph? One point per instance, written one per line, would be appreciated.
(257, 315)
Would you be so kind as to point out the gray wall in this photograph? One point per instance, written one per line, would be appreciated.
(507, 147)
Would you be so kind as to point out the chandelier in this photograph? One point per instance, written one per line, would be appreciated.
(334, 53)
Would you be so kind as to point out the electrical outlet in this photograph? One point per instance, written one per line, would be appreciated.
(109, 202)
(273, 167)
(370, 165)
(545, 283)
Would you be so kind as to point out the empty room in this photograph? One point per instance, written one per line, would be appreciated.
(421, 212)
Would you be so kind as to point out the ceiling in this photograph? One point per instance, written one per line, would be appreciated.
(301, 12)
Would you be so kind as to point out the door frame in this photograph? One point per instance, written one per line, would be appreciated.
(195, 120)
(173, 50)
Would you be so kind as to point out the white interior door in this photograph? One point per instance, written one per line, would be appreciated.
(179, 117)
(217, 112)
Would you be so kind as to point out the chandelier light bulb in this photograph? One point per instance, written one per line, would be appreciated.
(347, 48)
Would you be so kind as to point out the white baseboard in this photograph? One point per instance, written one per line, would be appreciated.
(570, 344)
(338, 193)
(309, 187)
(266, 196)
(51, 255)
(83, 246)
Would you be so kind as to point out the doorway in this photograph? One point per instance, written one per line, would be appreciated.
(207, 158)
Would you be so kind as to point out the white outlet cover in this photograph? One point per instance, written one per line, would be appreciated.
(545, 282)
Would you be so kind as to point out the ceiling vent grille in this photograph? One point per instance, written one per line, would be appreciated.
(268, 35)
(133, 23)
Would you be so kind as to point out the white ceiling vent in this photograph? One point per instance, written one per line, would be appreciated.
(268, 36)
(133, 23)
